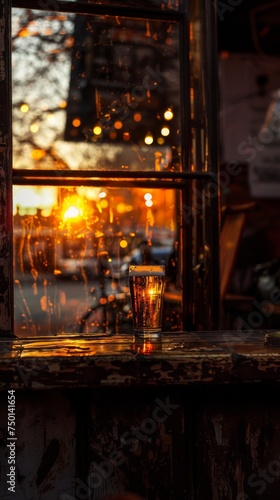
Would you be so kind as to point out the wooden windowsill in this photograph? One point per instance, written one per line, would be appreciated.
(124, 360)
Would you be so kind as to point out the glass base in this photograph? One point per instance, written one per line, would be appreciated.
(148, 332)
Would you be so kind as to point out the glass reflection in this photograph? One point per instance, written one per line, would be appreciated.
(72, 250)
(101, 93)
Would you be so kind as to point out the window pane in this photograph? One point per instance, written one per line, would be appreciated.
(95, 92)
(72, 250)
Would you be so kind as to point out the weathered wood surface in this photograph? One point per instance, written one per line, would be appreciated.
(173, 419)
(169, 443)
(85, 444)
(237, 429)
(123, 360)
(6, 255)
(45, 450)
(137, 447)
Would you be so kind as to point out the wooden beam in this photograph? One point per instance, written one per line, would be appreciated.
(6, 286)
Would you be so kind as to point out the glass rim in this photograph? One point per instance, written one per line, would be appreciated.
(153, 270)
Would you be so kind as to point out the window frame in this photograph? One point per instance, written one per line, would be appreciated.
(182, 180)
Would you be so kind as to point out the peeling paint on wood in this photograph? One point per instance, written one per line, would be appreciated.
(193, 418)
(45, 447)
(137, 438)
(177, 359)
(246, 462)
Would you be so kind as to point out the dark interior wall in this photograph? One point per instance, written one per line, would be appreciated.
(201, 442)
(249, 26)
(249, 33)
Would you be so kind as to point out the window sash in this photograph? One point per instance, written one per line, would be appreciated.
(185, 180)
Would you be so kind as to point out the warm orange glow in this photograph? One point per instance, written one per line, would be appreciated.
(90, 193)
(73, 207)
(97, 130)
(72, 213)
(63, 104)
(148, 347)
(38, 154)
(192, 94)
(149, 139)
(160, 141)
(123, 243)
(104, 203)
(148, 29)
(76, 122)
(69, 42)
(165, 131)
(126, 136)
(118, 125)
(111, 215)
(137, 117)
(168, 114)
(191, 31)
(24, 32)
(122, 208)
